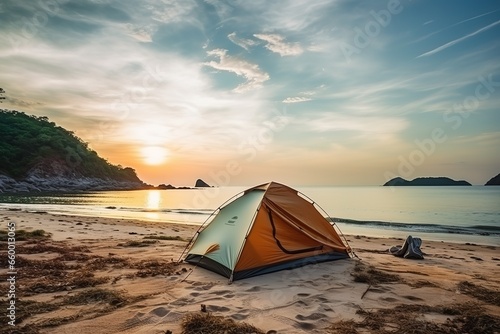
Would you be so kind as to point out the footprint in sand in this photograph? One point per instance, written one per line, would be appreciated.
(326, 309)
(379, 290)
(313, 316)
(160, 312)
(311, 283)
(222, 292)
(253, 289)
(413, 298)
(305, 325)
(239, 316)
(215, 308)
(202, 286)
(182, 302)
(322, 299)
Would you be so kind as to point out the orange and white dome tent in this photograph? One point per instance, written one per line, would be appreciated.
(264, 229)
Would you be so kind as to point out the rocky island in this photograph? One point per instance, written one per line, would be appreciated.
(494, 181)
(201, 184)
(198, 184)
(39, 156)
(426, 181)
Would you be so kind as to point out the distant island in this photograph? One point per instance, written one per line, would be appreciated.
(494, 181)
(170, 187)
(198, 184)
(201, 184)
(37, 155)
(426, 181)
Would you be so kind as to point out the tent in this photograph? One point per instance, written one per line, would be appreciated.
(264, 229)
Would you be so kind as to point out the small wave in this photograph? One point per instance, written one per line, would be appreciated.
(487, 228)
(418, 227)
(179, 211)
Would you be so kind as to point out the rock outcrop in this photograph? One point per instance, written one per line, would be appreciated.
(201, 184)
(58, 177)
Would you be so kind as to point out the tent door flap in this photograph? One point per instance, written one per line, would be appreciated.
(295, 251)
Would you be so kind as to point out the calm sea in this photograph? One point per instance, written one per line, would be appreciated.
(463, 214)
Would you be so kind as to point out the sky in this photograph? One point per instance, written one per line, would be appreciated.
(325, 92)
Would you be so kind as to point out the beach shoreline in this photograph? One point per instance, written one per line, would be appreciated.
(136, 260)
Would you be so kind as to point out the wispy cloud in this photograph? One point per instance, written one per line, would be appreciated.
(330, 121)
(170, 11)
(458, 40)
(254, 76)
(245, 43)
(141, 33)
(296, 99)
(277, 44)
(480, 139)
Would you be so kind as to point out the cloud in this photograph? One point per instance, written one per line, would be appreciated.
(487, 138)
(170, 11)
(222, 9)
(458, 40)
(296, 99)
(22, 103)
(451, 26)
(277, 44)
(254, 76)
(141, 33)
(242, 42)
(364, 124)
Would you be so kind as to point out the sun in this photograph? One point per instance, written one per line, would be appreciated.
(154, 155)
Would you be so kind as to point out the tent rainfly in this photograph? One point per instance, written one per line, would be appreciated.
(266, 228)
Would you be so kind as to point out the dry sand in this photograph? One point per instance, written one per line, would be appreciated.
(100, 275)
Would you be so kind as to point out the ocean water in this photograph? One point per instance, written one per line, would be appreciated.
(461, 214)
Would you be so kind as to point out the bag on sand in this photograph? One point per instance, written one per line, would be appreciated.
(409, 250)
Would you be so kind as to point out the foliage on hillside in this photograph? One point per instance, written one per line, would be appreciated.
(27, 141)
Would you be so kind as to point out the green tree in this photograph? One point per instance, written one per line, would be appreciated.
(28, 141)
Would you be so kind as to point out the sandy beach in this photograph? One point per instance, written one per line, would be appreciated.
(102, 275)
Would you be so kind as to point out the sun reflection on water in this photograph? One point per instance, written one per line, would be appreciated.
(153, 203)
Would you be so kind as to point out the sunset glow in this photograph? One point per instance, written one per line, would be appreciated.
(302, 92)
(154, 155)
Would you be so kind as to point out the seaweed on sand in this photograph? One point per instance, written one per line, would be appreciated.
(461, 318)
(484, 294)
(368, 274)
(206, 323)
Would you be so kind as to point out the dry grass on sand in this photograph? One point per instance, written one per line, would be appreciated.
(206, 323)
(468, 318)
